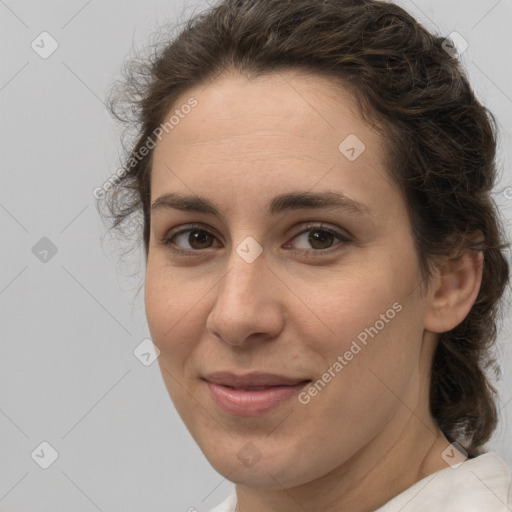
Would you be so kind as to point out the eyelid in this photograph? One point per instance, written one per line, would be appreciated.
(344, 237)
(165, 240)
(343, 234)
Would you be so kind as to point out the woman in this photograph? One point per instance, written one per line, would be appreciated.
(324, 262)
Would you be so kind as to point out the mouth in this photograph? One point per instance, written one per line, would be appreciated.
(252, 400)
(251, 388)
(252, 380)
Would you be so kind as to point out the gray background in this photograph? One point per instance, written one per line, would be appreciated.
(70, 324)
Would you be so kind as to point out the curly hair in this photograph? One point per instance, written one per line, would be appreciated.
(440, 148)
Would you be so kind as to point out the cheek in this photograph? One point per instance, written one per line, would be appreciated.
(360, 386)
(350, 300)
(159, 304)
(171, 314)
(171, 310)
(361, 326)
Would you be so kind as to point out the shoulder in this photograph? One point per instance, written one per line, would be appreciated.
(482, 483)
(228, 505)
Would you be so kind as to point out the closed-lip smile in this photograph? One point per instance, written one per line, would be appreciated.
(251, 394)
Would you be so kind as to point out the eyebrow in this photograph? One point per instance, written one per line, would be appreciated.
(279, 204)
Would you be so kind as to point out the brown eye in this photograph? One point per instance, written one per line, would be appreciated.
(200, 239)
(321, 239)
(318, 238)
(196, 238)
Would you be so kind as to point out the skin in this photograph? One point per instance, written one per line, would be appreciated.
(368, 435)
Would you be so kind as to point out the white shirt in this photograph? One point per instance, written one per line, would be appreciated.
(482, 484)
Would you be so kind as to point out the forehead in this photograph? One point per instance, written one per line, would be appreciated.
(284, 104)
(270, 129)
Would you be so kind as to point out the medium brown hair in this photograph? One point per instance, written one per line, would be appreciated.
(441, 145)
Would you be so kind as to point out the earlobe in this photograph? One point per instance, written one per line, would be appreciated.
(455, 291)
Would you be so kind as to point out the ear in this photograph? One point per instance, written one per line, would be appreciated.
(454, 291)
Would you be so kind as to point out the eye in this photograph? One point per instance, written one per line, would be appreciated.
(197, 238)
(315, 238)
(320, 238)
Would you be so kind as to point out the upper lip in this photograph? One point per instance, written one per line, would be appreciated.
(252, 379)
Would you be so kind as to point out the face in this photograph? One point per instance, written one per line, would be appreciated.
(267, 275)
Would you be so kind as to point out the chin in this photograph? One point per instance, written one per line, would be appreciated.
(258, 469)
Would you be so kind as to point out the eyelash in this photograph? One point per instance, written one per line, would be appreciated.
(167, 239)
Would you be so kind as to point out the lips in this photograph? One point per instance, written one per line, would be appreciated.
(252, 394)
(253, 381)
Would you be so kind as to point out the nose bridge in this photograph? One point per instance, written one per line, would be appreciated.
(244, 304)
(246, 266)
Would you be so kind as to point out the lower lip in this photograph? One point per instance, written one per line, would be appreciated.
(239, 402)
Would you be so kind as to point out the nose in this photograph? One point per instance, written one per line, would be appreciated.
(248, 303)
